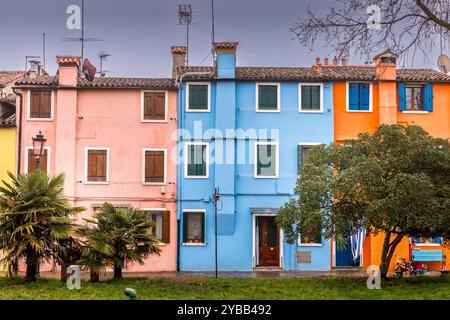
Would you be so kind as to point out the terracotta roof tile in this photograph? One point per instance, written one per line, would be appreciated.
(7, 77)
(422, 75)
(179, 50)
(9, 121)
(129, 83)
(68, 59)
(104, 82)
(330, 73)
(9, 99)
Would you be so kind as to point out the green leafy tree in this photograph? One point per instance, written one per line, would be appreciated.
(116, 236)
(34, 217)
(395, 182)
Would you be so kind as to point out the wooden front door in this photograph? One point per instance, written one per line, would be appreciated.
(269, 242)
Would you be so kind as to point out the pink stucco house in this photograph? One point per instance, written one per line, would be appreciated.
(112, 137)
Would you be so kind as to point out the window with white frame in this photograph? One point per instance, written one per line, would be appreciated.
(194, 227)
(198, 97)
(311, 236)
(310, 97)
(160, 219)
(154, 106)
(40, 105)
(359, 97)
(96, 165)
(196, 160)
(154, 166)
(267, 97)
(266, 160)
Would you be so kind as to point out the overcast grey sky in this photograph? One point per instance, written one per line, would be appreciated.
(138, 33)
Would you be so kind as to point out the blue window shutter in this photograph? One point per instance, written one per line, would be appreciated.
(402, 97)
(364, 96)
(438, 240)
(353, 96)
(428, 98)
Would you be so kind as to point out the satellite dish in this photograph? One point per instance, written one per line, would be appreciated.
(89, 70)
(444, 63)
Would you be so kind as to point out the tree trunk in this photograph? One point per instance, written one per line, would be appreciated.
(384, 266)
(64, 275)
(118, 272)
(388, 252)
(32, 267)
(15, 267)
(95, 276)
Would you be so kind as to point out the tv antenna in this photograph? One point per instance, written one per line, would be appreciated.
(27, 59)
(103, 55)
(185, 18)
(82, 39)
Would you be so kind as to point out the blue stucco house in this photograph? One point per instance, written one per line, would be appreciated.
(246, 131)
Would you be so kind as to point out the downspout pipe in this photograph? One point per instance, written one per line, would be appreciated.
(19, 135)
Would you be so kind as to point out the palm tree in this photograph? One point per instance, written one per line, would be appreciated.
(117, 236)
(34, 217)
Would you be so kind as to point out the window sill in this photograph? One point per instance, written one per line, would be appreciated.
(196, 177)
(264, 177)
(310, 111)
(40, 119)
(427, 244)
(95, 183)
(154, 183)
(198, 111)
(268, 111)
(154, 121)
(194, 244)
(415, 112)
(309, 245)
(359, 111)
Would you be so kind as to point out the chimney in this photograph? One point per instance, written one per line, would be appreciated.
(386, 65)
(179, 58)
(325, 61)
(335, 61)
(225, 59)
(318, 65)
(386, 75)
(343, 62)
(68, 67)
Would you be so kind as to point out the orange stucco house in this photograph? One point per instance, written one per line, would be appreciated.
(395, 96)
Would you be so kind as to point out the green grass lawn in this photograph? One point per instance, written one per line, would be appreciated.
(326, 287)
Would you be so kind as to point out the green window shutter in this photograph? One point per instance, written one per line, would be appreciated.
(196, 160)
(267, 97)
(198, 97)
(266, 160)
(315, 97)
(299, 158)
(200, 160)
(203, 229)
(185, 227)
(306, 97)
(262, 98)
(192, 169)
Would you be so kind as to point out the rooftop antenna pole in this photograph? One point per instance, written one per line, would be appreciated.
(83, 39)
(82, 31)
(43, 49)
(212, 31)
(185, 18)
(103, 56)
